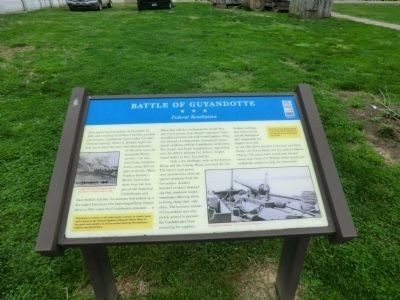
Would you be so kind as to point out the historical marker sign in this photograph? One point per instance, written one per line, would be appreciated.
(193, 165)
(134, 169)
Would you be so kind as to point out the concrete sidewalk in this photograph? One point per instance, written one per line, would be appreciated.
(366, 2)
(366, 21)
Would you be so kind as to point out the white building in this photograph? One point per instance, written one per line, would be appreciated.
(21, 5)
(25, 5)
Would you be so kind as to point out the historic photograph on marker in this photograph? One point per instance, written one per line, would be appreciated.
(260, 194)
(97, 169)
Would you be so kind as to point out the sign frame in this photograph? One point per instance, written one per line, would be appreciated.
(51, 240)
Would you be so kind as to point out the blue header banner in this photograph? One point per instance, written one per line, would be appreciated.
(191, 109)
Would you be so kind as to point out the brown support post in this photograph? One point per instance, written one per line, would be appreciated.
(290, 265)
(100, 272)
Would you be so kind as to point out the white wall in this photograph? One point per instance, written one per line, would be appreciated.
(21, 5)
(10, 6)
(33, 4)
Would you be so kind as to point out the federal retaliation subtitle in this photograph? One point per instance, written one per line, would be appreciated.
(192, 117)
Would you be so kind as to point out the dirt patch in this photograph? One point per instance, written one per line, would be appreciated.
(293, 65)
(257, 282)
(132, 285)
(127, 288)
(228, 82)
(7, 53)
(21, 48)
(85, 292)
(380, 118)
(383, 133)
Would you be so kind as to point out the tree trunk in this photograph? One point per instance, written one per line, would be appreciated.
(310, 8)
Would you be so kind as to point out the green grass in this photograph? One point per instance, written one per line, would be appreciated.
(381, 12)
(193, 48)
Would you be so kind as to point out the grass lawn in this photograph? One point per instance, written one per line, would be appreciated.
(381, 12)
(195, 48)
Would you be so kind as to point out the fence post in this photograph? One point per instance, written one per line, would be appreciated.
(24, 5)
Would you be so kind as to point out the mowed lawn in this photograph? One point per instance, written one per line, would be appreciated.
(194, 48)
(381, 12)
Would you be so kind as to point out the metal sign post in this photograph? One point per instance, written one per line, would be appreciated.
(258, 164)
(100, 272)
(290, 265)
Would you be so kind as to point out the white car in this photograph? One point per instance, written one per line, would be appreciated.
(89, 4)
